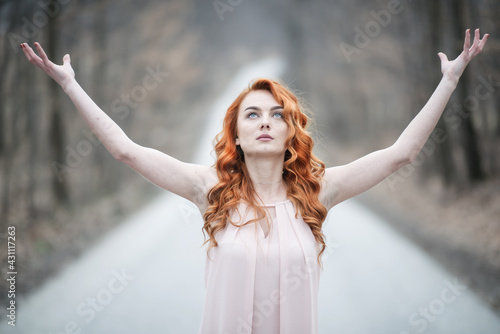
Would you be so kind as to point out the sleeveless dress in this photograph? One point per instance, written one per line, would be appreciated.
(262, 284)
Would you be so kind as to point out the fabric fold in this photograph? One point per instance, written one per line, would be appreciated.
(272, 289)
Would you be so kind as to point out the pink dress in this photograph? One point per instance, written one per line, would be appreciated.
(260, 283)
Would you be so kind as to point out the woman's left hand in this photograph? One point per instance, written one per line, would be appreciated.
(454, 69)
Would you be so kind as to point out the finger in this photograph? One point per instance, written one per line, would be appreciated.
(32, 56)
(443, 57)
(25, 51)
(66, 59)
(467, 41)
(473, 47)
(482, 42)
(44, 57)
(476, 40)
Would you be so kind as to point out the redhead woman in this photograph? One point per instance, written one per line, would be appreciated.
(265, 199)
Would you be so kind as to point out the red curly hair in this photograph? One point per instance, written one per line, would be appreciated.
(302, 171)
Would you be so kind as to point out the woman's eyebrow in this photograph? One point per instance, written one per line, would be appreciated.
(257, 108)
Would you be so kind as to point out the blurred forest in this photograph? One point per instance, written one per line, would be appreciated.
(365, 68)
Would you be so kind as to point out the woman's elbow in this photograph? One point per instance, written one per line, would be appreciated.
(404, 157)
(412, 154)
(122, 151)
(121, 154)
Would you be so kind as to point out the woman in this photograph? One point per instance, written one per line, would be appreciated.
(265, 199)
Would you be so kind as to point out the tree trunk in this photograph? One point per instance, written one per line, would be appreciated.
(467, 132)
(56, 135)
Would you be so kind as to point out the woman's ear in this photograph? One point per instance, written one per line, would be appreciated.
(237, 141)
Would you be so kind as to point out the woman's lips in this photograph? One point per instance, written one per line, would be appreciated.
(265, 137)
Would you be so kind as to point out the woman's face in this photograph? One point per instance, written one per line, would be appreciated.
(261, 129)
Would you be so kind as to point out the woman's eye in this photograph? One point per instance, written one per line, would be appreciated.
(255, 115)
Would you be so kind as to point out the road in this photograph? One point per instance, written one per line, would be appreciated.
(146, 276)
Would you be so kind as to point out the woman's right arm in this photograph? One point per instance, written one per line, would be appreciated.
(186, 180)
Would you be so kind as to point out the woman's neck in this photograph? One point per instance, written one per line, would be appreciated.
(264, 170)
(270, 193)
(267, 177)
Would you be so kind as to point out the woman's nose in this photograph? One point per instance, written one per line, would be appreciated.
(265, 123)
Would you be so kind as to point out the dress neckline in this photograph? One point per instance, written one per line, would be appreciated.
(277, 203)
(273, 221)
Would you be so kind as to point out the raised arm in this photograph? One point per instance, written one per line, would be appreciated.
(187, 180)
(343, 182)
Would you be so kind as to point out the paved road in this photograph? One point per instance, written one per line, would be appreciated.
(147, 275)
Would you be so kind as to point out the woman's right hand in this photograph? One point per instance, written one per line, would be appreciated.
(62, 74)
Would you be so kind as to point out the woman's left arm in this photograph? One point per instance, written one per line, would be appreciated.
(343, 182)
